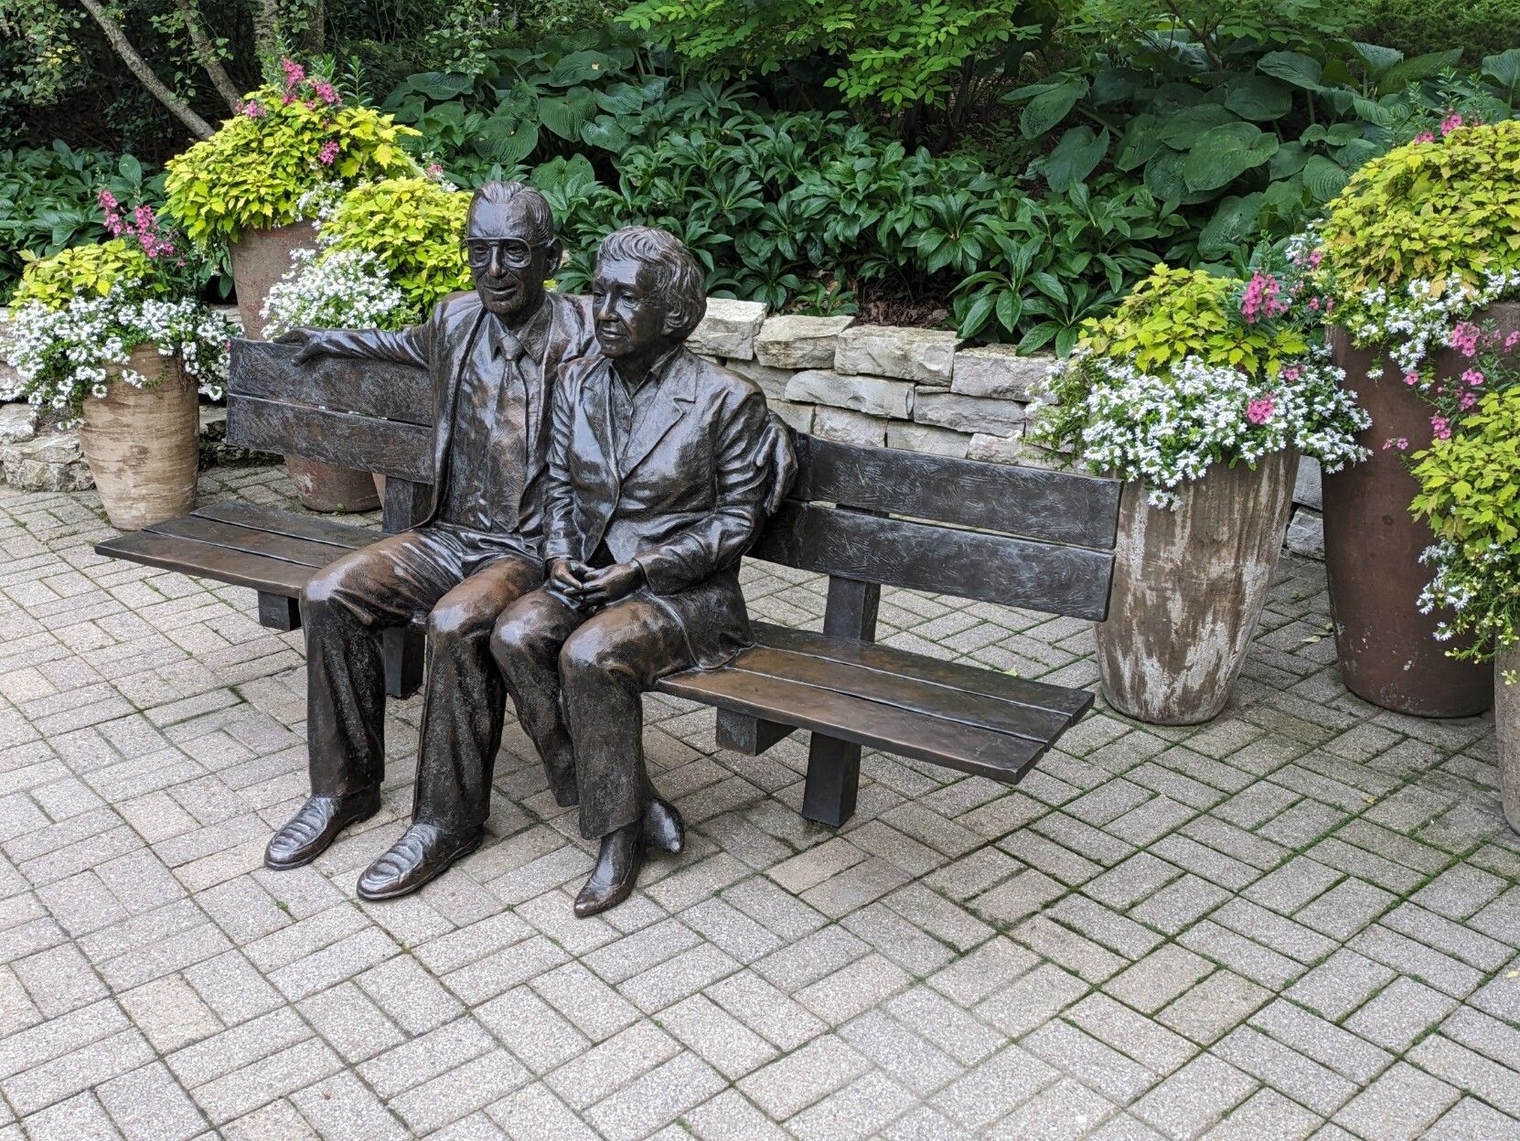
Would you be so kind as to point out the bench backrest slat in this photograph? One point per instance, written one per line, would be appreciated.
(1056, 507)
(1055, 579)
(346, 440)
(370, 388)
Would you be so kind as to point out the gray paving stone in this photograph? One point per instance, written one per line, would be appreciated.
(1195, 1097)
(1401, 1013)
(1340, 984)
(1398, 1105)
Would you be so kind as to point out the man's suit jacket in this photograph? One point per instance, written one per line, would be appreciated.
(443, 343)
(686, 501)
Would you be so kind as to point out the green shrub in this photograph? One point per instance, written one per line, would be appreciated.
(1427, 211)
(81, 271)
(414, 226)
(1477, 27)
(287, 141)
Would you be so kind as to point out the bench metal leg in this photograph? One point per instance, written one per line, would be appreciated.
(404, 651)
(833, 775)
(749, 735)
(278, 612)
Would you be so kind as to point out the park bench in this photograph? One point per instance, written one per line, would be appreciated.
(865, 517)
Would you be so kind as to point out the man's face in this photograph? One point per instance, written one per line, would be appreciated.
(509, 273)
(630, 313)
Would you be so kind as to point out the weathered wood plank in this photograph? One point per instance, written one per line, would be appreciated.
(305, 552)
(406, 504)
(362, 443)
(1071, 703)
(298, 526)
(1057, 507)
(370, 388)
(908, 693)
(749, 735)
(272, 576)
(983, 752)
(969, 564)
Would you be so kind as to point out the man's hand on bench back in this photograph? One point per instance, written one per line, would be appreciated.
(310, 341)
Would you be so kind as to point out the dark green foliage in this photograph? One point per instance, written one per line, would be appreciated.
(47, 200)
(1415, 27)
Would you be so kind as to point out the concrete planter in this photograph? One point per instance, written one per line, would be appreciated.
(259, 259)
(1189, 588)
(142, 443)
(1387, 649)
(1507, 732)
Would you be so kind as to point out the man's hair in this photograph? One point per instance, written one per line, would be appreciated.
(678, 276)
(535, 210)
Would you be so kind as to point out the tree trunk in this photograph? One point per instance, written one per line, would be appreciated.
(139, 67)
(206, 53)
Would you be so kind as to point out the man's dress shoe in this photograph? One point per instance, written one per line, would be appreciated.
(616, 871)
(312, 830)
(423, 853)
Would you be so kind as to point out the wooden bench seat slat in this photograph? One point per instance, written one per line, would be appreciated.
(269, 544)
(1057, 507)
(1070, 703)
(991, 568)
(388, 446)
(984, 752)
(188, 556)
(315, 527)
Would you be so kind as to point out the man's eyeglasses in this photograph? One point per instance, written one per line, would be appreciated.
(512, 253)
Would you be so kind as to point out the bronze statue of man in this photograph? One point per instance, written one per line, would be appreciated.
(494, 356)
(660, 473)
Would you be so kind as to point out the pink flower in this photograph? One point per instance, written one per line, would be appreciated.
(1467, 401)
(254, 110)
(1512, 340)
(1425, 137)
(1473, 377)
(1464, 338)
(107, 200)
(1450, 124)
(328, 152)
(1440, 428)
(1291, 373)
(1411, 378)
(1314, 304)
(1261, 299)
(1259, 411)
(294, 72)
(325, 92)
(1315, 257)
(435, 170)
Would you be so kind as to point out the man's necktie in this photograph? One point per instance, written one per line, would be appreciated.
(509, 447)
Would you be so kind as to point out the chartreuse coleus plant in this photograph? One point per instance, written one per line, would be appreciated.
(386, 253)
(286, 139)
(1470, 495)
(1194, 370)
(1420, 241)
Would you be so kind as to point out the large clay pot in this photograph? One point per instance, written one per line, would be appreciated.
(1387, 648)
(142, 443)
(259, 259)
(1507, 731)
(1189, 588)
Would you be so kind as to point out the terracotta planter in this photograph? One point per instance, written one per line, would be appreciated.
(141, 443)
(259, 259)
(1387, 648)
(1507, 731)
(1189, 588)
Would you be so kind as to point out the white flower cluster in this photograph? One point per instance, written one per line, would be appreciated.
(321, 202)
(1475, 583)
(63, 355)
(1418, 322)
(335, 289)
(1167, 430)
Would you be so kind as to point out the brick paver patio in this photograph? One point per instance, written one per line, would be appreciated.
(1301, 920)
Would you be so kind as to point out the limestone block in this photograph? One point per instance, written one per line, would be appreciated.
(969, 414)
(800, 342)
(1306, 533)
(18, 423)
(846, 427)
(798, 417)
(868, 394)
(47, 463)
(997, 370)
(729, 329)
(922, 438)
(772, 381)
(1308, 489)
(924, 355)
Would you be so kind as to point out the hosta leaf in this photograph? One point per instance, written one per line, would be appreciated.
(1258, 97)
(1226, 152)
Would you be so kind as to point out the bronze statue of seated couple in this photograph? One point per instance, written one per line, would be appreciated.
(595, 485)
